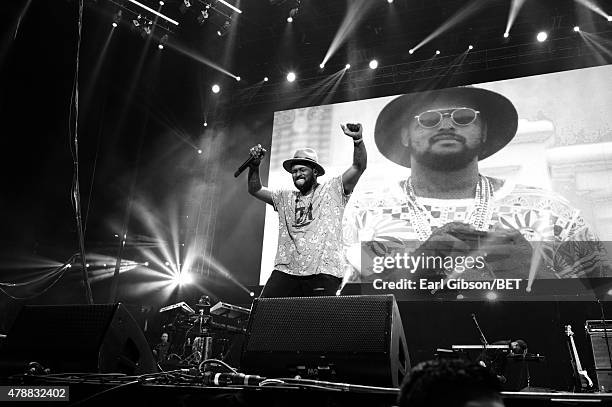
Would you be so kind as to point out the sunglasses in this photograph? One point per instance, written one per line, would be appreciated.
(461, 116)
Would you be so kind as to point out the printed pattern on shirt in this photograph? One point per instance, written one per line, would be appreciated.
(310, 230)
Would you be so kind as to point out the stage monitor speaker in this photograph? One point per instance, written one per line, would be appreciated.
(604, 380)
(602, 349)
(101, 338)
(352, 339)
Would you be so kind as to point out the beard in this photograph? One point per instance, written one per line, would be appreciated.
(449, 161)
(307, 185)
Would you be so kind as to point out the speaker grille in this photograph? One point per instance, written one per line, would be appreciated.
(601, 356)
(64, 328)
(77, 338)
(344, 324)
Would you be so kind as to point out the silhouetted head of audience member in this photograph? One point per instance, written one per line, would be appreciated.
(450, 383)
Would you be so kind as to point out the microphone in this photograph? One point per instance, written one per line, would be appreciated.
(244, 165)
(224, 379)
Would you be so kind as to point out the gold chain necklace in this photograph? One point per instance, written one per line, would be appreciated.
(479, 218)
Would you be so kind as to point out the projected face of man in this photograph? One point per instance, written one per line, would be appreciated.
(447, 146)
(304, 177)
(164, 338)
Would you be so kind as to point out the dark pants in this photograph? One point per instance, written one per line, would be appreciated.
(286, 285)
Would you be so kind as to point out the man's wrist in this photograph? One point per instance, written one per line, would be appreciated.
(357, 141)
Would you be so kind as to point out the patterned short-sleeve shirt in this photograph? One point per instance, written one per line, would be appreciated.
(542, 217)
(310, 230)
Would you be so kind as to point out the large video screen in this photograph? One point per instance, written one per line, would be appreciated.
(540, 220)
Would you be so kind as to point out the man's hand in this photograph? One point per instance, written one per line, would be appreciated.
(450, 239)
(257, 152)
(354, 131)
(508, 254)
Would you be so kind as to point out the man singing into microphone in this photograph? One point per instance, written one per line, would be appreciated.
(309, 258)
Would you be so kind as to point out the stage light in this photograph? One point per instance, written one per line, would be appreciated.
(117, 18)
(265, 79)
(576, 29)
(437, 52)
(322, 65)
(68, 266)
(215, 88)
(506, 35)
(460, 296)
(347, 66)
(161, 3)
(224, 29)
(471, 47)
(542, 36)
(411, 51)
(491, 296)
(137, 20)
(104, 265)
(389, 1)
(146, 264)
(252, 294)
(162, 41)
(291, 76)
(87, 265)
(237, 78)
(157, 13)
(373, 64)
(184, 6)
(202, 17)
(609, 18)
(183, 278)
(205, 124)
(199, 151)
(293, 13)
(167, 263)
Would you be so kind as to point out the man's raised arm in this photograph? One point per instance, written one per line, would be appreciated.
(360, 157)
(254, 181)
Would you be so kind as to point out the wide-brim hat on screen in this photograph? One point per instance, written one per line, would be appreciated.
(496, 110)
(305, 156)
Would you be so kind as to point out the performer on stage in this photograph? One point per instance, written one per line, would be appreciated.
(162, 349)
(447, 207)
(309, 258)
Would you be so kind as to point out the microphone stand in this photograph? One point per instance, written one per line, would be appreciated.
(483, 340)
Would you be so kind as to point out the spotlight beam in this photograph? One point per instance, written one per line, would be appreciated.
(598, 45)
(218, 267)
(201, 59)
(356, 11)
(459, 17)
(157, 13)
(593, 7)
(515, 7)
